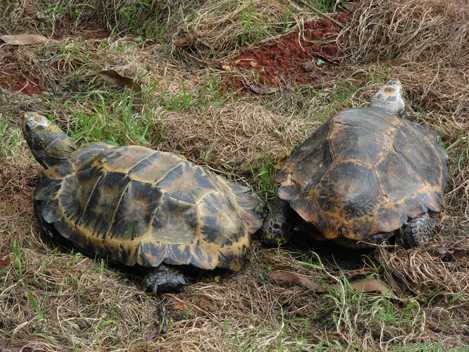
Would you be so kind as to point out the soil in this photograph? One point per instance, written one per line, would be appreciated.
(14, 75)
(87, 31)
(299, 57)
(14, 79)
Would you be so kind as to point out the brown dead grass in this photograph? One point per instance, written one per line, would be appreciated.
(234, 137)
(410, 30)
(440, 268)
(218, 28)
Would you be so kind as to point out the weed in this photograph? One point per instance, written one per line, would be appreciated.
(264, 178)
(182, 101)
(253, 26)
(428, 347)
(352, 312)
(36, 306)
(10, 139)
(322, 5)
(113, 118)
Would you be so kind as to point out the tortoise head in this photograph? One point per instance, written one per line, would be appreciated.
(48, 143)
(389, 98)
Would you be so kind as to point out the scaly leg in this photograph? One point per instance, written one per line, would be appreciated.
(417, 231)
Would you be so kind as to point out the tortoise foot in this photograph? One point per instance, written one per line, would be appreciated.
(417, 231)
(164, 279)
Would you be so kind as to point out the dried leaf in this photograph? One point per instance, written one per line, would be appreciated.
(113, 77)
(24, 39)
(290, 278)
(372, 285)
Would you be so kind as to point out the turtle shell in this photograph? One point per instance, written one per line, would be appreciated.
(364, 172)
(137, 206)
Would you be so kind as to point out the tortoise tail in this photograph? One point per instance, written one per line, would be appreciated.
(49, 144)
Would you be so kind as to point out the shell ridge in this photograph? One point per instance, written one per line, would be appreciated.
(162, 178)
(137, 163)
(116, 210)
(83, 211)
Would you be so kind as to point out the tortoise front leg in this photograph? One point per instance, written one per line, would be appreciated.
(417, 231)
(165, 279)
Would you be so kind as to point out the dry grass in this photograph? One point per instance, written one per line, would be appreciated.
(440, 267)
(410, 30)
(234, 137)
(220, 27)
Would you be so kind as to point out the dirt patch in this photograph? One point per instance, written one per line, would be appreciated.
(301, 56)
(15, 79)
(16, 183)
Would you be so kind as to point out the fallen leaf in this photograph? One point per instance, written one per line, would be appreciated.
(372, 285)
(24, 39)
(113, 77)
(290, 278)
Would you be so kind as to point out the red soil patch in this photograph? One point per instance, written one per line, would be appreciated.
(14, 79)
(298, 57)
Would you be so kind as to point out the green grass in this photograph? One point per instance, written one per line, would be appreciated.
(355, 313)
(321, 5)
(429, 347)
(112, 117)
(10, 139)
(143, 18)
(36, 305)
(205, 95)
(263, 177)
(18, 258)
(101, 112)
(254, 26)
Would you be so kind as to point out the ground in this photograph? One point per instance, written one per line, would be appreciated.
(232, 85)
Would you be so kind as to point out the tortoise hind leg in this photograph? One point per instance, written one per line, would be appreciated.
(165, 279)
(417, 231)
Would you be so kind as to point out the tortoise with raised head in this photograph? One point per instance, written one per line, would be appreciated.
(140, 207)
(364, 176)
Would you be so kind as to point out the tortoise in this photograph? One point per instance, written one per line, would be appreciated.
(139, 207)
(365, 176)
